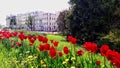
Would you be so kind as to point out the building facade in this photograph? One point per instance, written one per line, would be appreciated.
(42, 21)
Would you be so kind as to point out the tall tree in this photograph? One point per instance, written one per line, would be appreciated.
(13, 23)
(89, 18)
(61, 22)
(0, 26)
(29, 22)
(115, 24)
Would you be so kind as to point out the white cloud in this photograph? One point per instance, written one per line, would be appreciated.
(8, 7)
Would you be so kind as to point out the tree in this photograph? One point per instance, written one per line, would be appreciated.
(0, 26)
(29, 22)
(61, 22)
(88, 19)
(13, 23)
(115, 24)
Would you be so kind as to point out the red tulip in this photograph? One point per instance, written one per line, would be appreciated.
(31, 44)
(22, 36)
(69, 38)
(52, 52)
(32, 39)
(111, 55)
(114, 57)
(98, 62)
(15, 33)
(1, 37)
(80, 52)
(46, 46)
(55, 44)
(19, 44)
(21, 32)
(90, 47)
(73, 40)
(12, 46)
(29, 37)
(116, 62)
(104, 49)
(7, 34)
(52, 47)
(60, 54)
(41, 47)
(66, 50)
(40, 38)
(12, 40)
(51, 41)
(44, 40)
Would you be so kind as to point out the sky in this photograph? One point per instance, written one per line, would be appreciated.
(13, 7)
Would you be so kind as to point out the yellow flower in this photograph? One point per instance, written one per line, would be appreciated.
(22, 64)
(20, 54)
(103, 66)
(35, 57)
(24, 61)
(66, 60)
(30, 57)
(27, 60)
(41, 62)
(44, 65)
(72, 67)
(27, 52)
(32, 67)
(73, 58)
(73, 62)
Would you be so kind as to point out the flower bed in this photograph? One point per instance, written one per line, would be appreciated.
(19, 50)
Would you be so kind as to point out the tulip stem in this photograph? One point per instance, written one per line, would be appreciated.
(75, 56)
(104, 62)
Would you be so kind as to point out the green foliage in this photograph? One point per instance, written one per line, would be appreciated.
(29, 22)
(88, 19)
(12, 23)
(113, 38)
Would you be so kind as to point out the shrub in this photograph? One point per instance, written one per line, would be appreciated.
(113, 39)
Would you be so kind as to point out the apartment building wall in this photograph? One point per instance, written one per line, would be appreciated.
(42, 21)
(49, 21)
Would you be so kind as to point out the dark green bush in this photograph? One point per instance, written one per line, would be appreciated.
(112, 39)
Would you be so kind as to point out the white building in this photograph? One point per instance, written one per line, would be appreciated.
(49, 21)
(42, 21)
